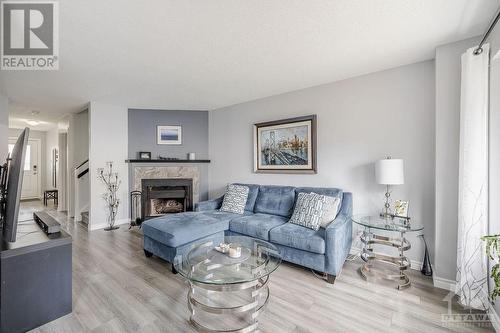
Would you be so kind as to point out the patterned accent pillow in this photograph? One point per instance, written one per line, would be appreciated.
(308, 210)
(330, 211)
(235, 199)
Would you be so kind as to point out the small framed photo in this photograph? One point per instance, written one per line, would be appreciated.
(401, 208)
(145, 155)
(169, 135)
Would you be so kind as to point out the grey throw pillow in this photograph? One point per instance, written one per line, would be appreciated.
(309, 210)
(330, 211)
(235, 199)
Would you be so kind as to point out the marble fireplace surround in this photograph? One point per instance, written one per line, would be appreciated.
(164, 172)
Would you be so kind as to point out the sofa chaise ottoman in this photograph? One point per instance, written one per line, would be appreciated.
(267, 211)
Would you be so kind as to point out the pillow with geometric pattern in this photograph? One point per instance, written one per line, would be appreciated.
(235, 199)
(330, 210)
(309, 210)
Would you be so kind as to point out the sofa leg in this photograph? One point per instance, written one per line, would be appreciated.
(174, 271)
(148, 254)
(330, 278)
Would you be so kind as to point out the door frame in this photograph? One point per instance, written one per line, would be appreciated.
(39, 166)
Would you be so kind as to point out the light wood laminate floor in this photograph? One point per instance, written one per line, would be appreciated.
(117, 289)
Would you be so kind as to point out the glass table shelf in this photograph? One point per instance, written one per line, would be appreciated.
(373, 234)
(386, 223)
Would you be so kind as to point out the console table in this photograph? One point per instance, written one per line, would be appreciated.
(373, 226)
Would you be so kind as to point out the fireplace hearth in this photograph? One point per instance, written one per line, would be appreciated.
(166, 196)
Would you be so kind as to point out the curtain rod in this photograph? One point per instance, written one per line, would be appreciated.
(479, 49)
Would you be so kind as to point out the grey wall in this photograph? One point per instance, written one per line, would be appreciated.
(81, 137)
(142, 137)
(14, 133)
(494, 41)
(142, 132)
(4, 125)
(62, 174)
(78, 150)
(448, 69)
(52, 141)
(494, 212)
(360, 120)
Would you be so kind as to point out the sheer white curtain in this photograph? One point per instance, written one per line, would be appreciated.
(472, 273)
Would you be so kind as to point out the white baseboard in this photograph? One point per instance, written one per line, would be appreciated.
(495, 320)
(417, 265)
(104, 225)
(444, 283)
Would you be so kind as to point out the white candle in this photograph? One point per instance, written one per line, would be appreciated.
(235, 252)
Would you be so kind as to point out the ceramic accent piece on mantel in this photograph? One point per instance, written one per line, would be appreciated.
(162, 172)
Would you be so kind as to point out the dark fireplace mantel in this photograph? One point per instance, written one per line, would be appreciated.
(166, 188)
(165, 161)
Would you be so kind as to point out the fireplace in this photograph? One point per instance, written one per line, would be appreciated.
(166, 196)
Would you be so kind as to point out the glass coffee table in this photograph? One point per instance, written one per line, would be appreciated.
(373, 227)
(228, 294)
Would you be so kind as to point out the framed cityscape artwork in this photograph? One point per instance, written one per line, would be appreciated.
(285, 146)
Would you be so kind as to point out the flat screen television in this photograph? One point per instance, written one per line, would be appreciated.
(12, 190)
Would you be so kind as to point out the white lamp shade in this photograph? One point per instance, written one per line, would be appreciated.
(390, 172)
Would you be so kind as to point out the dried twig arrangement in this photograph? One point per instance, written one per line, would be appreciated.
(112, 183)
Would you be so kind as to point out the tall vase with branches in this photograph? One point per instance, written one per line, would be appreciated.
(112, 183)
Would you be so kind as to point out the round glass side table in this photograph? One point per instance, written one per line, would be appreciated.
(373, 226)
(225, 291)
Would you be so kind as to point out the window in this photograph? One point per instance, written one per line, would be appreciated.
(27, 159)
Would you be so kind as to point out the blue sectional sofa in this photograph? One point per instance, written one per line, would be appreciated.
(267, 211)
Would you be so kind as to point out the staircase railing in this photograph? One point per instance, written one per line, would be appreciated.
(82, 187)
(82, 164)
(83, 173)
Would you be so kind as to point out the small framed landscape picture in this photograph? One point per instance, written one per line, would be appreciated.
(285, 146)
(169, 135)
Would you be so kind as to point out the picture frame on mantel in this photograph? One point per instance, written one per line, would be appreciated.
(144, 155)
(169, 135)
(286, 146)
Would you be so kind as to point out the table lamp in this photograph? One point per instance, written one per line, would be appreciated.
(389, 172)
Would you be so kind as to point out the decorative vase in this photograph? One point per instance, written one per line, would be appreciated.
(426, 264)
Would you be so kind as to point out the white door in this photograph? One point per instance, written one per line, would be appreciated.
(31, 179)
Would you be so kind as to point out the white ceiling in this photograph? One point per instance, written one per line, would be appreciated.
(21, 116)
(209, 54)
